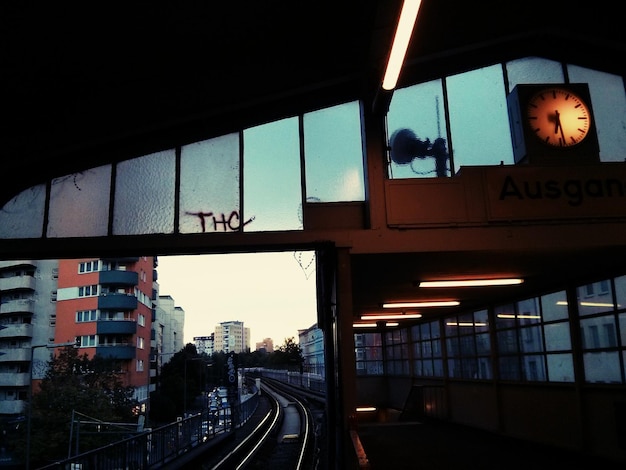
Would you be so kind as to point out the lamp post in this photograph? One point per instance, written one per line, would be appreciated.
(30, 391)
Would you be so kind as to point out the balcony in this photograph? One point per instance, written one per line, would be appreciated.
(18, 306)
(11, 379)
(17, 330)
(119, 278)
(127, 327)
(12, 407)
(18, 262)
(17, 283)
(119, 351)
(117, 302)
(15, 355)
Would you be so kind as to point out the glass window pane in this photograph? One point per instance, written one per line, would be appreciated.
(596, 297)
(479, 121)
(272, 189)
(531, 339)
(560, 368)
(437, 368)
(209, 186)
(455, 368)
(415, 333)
(534, 70)
(557, 337)
(22, 216)
(528, 311)
(468, 348)
(598, 332)
(534, 369)
(554, 306)
(484, 368)
(602, 367)
(435, 330)
(620, 293)
(507, 342)
(481, 321)
(452, 345)
(608, 101)
(415, 121)
(144, 195)
(622, 328)
(436, 348)
(469, 368)
(451, 326)
(333, 154)
(483, 344)
(505, 316)
(79, 204)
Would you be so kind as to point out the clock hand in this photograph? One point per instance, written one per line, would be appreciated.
(558, 126)
(557, 121)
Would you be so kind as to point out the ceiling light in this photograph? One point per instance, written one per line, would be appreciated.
(433, 303)
(373, 325)
(361, 409)
(404, 30)
(391, 316)
(512, 315)
(472, 282)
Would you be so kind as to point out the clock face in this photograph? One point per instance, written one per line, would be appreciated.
(558, 117)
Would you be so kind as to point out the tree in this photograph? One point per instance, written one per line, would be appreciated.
(172, 396)
(91, 387)
(287, 356)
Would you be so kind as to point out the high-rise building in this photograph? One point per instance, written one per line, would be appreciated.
(232, 336)
(173, 319)
(28, 290)
(106, 306)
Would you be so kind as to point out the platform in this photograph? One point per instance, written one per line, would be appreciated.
(437, 445)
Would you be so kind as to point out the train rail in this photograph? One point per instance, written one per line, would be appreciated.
(284, 438)
(280, 426)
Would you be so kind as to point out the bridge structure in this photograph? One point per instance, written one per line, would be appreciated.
(173, 445)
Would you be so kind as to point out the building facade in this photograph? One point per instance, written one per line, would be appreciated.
(312, 345)
(267, 345)
(205, 344)
(232, 336)
(28, 290)
(172, 317)
(106, 306)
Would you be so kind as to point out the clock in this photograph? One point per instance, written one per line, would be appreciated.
(552, 123)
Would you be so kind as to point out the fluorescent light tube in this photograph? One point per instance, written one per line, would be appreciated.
(472, 283)
(433, 303)
(401, 39)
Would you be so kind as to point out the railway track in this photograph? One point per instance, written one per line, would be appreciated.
(285, 436)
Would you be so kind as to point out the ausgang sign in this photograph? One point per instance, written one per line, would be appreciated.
(556, 192)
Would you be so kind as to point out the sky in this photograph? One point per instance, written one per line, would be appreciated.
(273, 294)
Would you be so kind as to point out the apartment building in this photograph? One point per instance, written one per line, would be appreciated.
(232, 336)
(205, 344)
(28, 290)
(106, 306)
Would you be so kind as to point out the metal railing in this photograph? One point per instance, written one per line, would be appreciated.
(155, 448)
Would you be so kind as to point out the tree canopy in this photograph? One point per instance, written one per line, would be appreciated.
(76, 384)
